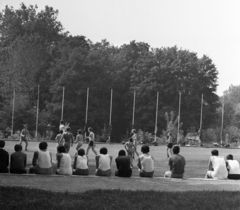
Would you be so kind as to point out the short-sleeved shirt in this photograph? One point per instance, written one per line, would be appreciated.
(234, 167)
(18, 160)
(91, 136)
(123, 163)
(4, 159)
(177, 164)
(219, 167)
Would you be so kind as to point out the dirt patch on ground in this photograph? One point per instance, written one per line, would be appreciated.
(75, 184)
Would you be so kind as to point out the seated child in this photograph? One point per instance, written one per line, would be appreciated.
(18, 161)
(103, 163)
(42, 160)
(64, 162)
(4, 158)
(145, 163)
(80, 165)
(123, 165)
(233, 168)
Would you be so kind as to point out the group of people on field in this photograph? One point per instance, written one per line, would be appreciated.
(42, 161)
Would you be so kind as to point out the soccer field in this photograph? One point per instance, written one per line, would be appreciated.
(196, 157)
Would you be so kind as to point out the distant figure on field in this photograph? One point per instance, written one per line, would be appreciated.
(80, 165)
(123, 165)
(227, 140)
(103, 163)
(91, 143)
(64, 162)
(58, 138)
(68, 138)
(42, 160)
(135, 141)
(7, 132)
(176, 163)
(146, 163)
(79, 139)
(169, 143)
(4, 158)
(233, 168)
(18, 161)
(130, 149)
(216, 167)
(24, 136)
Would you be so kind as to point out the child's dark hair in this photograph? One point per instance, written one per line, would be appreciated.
(81, 152)
(79, 131)
(130, 139)
(229, 157)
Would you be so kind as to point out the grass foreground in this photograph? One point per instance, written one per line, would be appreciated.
(25, 198)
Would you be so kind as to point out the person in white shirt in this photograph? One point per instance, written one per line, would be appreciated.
(217, 168)
(80, 165)
(42, 160)
(145, 163)
(64, 162)
(103, 163)
(233, 167)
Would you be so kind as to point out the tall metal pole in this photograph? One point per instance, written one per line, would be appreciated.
(86, 116)
(134, 99)
(36, 134)
(110, 116)
(222, 121)
(62, 103)
(179, 109)
(156, 117)
(13, 107)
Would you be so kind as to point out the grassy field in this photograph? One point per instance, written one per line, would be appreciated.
(196, 157)
(20, 198)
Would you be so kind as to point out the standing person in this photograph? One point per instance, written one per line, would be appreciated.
(68, 138)
(123, 164)
(233, 167)
(146, 163)
(169, 143)
(42, 160)
(130, 148)
(217, 168)
(64, 162)
(62, 126)
(4, 158)
(18, 161)
(134, 137)
(176, 163)
(91, 143)
(103, 163)
(80, 165)
(24, 136)
(58, 138)
(79, 139)
(227, 140)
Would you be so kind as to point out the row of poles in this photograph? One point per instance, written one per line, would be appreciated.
(110, 114)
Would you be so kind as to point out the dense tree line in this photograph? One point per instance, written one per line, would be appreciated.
(35, 50)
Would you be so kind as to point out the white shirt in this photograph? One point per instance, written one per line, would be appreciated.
(219, 167)
(233, 166)
(65, 164)
(44, 159)
(104, 162)
(147, 162)
(81, 162)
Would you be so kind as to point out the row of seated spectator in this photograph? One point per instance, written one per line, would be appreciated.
(218, 167)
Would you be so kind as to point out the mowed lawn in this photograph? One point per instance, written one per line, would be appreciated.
(196, 157)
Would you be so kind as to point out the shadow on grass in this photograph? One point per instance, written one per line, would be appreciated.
(24, 198)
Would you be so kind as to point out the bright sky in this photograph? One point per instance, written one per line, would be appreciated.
(210, 27)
